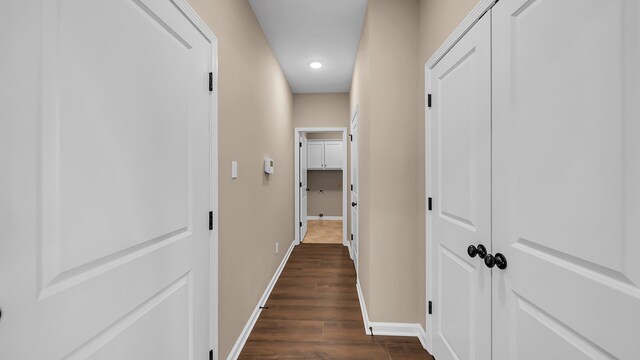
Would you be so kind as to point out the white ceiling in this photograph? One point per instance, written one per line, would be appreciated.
(303, 31)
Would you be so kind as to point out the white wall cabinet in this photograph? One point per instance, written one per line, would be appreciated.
(533, 161)
(324, 155)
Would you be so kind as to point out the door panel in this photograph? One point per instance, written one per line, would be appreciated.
(460, 165)
(566, 166)
(303, 189)
(315, 155)
(118, 238)
(354, 190)
(333, 155)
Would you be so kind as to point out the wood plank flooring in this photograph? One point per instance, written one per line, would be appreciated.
(323, 232)
(313, 313)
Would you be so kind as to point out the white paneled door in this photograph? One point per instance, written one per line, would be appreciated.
(566, 185)
(106, 180)
(460, 187)
(303, 186)
(354, 189)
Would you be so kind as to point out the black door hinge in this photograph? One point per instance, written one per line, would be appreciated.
(429, 100)
(430, 204)
(351, 187)
(211, 354)
(300, 144)
(210, 81)
(300, 183)
(430, 307)
(350, 137)
(210, 220)
(300, 223)
(351, 236)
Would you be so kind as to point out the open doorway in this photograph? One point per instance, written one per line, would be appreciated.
(321, 185)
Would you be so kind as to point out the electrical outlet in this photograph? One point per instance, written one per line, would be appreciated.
(277, 248)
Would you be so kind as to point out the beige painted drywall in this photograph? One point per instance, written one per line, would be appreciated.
(389, 196)
(256, 210)
(438, 18)
(325, 192)
(321, 110)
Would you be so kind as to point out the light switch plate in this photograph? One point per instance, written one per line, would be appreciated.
(234, 169)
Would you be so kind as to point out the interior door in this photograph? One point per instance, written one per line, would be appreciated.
(315, 155)
(354, 189)
(460, 185)
(105, 181)
(304, 187)
(333, 155)
(566, 136)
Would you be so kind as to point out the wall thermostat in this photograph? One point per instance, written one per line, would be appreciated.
(268, 166)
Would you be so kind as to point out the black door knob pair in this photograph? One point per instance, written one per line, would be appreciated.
(354, 204)
(490, 261)
(496, 260)
(481, 251)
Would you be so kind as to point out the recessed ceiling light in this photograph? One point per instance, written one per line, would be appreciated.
(316, 65)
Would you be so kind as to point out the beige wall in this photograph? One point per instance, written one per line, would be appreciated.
(438, 19)
(389, 201)
(321, 110)
(325, 194)
(255, 121)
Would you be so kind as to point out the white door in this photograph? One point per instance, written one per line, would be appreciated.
(303, 186)
(315, 155)
(105, 181)
(460, 173)
(566, 200)
(354, 189)
(333, 155)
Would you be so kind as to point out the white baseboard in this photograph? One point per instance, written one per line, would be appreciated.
(244, 335)
(390, 329)
(324, 218)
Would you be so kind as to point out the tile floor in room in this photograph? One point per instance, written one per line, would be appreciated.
(323, 232)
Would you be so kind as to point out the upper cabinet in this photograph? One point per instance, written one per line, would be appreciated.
(324, 155)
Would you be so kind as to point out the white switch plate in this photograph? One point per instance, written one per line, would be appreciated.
(234, 169)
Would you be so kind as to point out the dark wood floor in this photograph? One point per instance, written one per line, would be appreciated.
(313, 313)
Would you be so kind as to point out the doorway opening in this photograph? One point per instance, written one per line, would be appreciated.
(321, 185)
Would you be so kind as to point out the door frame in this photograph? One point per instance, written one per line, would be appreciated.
(296, 163)
(469, 21)
(204, 29)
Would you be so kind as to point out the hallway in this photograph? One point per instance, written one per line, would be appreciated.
(313, 313)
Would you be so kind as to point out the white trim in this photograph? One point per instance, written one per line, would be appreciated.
(244, 335)
(457, 34)
(363, 308)
(333, 218)
(390, 329)
(296, 194)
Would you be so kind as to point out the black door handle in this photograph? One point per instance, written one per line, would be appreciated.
(354, 204)
(498, 260)
(481, 251)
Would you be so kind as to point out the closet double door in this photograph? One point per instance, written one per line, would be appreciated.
(534, 173)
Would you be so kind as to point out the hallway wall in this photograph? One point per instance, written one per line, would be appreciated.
(385, 88)
(321, 110)
(255, 121)
(392, 144)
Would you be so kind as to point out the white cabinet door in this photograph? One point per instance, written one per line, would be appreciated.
(105, 182)
(315, 155)
(460, 173)
(566, 194)
(333, 155)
